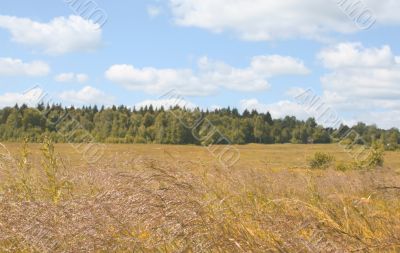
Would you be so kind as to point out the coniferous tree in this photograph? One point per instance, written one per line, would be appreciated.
(176, 126)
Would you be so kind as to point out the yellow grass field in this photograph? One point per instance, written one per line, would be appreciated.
(284, 156)
(160, 198)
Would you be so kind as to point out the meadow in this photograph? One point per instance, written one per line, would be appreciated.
(166, 198)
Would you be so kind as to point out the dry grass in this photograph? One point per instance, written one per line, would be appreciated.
(153, 198)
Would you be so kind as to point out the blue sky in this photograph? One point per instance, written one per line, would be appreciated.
(216, 53)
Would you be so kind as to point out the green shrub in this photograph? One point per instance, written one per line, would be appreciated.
(321, 161)
(343, 167)
(375, 157)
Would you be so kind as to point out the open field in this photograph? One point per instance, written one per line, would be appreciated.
(158, 198)
(277, 156)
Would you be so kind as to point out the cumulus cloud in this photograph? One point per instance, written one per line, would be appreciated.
(71, 77)
(361, 77)
(16, 67)
(59, 36)
(385, 119)
(208, 78)
(278, 65)
(354, 55)
(270, 19)
(31, 97)
(294, 92)
(65, 77)
(81, 78)
(279, 109)
(87, 95)
(363, 81)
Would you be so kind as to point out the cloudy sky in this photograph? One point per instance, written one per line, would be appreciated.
(255, 54)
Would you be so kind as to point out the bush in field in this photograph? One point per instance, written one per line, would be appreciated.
(343, 167)
(375, 157)
(321, 161)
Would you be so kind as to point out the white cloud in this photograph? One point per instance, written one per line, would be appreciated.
(61, 35)
(81, 78)
(153, 11)
(166, 103)
(209, 77)
(363, 82)
(31, 98)
(16, 67)
(278, 65)
(279, 109)
(156, 81)
(65, 77)
(294, 92)
(354, 55)
(361, 77)
(87, 95)
(71, 77)
(385, 119)
(271, 19)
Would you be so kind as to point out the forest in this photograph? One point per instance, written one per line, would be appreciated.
(176, 126)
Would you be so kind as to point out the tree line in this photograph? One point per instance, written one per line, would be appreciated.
(175, 126)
